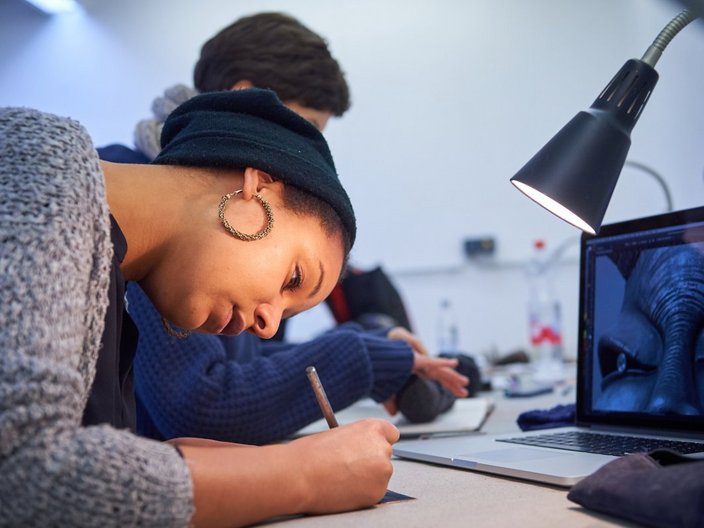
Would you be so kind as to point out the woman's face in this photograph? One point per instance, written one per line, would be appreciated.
(209, 281)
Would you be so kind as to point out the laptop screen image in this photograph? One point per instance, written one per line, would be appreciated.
(641, 350)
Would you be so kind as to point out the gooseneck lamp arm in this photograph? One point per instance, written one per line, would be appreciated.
(574, 175)
(677, 24)
(659, 179)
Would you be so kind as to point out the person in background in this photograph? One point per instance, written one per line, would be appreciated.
(240, 388)
(226, 231)
(266, 50)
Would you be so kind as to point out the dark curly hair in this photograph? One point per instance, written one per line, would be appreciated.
(305, 204)
(276, 51)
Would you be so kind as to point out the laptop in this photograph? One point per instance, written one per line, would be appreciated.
(640, 362)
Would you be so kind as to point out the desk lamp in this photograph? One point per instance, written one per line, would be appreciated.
(573, 176)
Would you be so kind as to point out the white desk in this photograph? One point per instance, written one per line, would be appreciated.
(449, 498)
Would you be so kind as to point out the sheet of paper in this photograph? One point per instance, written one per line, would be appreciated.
(392, 496)
(466, 415)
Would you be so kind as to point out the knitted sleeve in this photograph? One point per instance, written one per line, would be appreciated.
(199, 387)
(55, 257)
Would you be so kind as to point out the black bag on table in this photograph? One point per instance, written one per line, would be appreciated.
(370, 299)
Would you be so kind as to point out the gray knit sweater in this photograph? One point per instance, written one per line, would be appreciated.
(55, 258)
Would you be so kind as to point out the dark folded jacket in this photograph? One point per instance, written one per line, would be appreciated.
(661, 489)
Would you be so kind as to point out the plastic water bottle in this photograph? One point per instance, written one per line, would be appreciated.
(448, 335)
(544, 322)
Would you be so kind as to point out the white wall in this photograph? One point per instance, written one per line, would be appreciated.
(450, 98)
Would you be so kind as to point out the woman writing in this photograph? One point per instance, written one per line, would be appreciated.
(240, 221)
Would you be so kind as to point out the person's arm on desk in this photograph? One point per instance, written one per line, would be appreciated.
(244, 389)
(339, 470)
(441, 370)
(428, 367)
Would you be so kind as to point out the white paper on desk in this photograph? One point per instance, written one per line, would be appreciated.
(465, 416)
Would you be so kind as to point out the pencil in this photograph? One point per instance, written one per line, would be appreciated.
(322, 398)
(332, 422)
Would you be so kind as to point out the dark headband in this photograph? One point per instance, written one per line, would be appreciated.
(252, 128)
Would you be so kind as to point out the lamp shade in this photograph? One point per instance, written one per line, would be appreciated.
(575, 173)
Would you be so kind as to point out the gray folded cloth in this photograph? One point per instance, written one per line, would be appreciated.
(661, 489)
(147, 133)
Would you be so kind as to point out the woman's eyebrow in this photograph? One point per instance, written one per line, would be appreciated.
(317, 287)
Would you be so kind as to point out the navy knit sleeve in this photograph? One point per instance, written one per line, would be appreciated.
(121, 154)
(392, 363)
(391, 360)
(246, 390)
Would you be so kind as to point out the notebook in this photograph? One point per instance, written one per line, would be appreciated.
(640, 363)
(466, 415)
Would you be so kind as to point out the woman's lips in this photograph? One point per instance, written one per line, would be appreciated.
(235, 326)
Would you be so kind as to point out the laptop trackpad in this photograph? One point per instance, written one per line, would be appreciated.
(511, 454)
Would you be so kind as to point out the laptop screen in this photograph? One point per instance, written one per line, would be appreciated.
(641, 328)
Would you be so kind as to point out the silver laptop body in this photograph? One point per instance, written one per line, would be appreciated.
(640, 370)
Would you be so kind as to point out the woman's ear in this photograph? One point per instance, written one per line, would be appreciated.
(254, 181)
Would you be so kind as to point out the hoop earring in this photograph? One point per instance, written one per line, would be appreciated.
(178, 334)
(238, 234)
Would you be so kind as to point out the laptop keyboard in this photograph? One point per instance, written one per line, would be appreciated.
(605, 444)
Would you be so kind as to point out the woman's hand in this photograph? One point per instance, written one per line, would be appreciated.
(427, 367)
(442, 370)
(343, 469)
(400, 333)
(348, 467)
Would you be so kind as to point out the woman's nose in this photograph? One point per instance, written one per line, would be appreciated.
(266, 320)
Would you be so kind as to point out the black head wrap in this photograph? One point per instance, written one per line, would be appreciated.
(252, 128)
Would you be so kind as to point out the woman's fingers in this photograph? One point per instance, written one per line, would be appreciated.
(443, 371)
